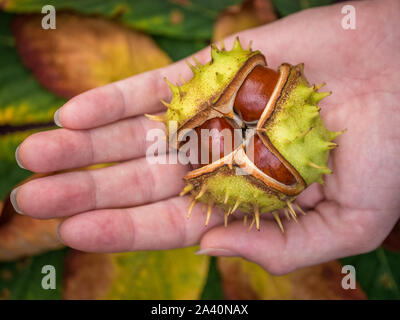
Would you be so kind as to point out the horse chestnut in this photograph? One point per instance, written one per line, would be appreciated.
(285, 144)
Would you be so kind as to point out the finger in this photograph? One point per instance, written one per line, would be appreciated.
(158, 226)
(127, 184)
(329, 233)
(311, 196)
(141, 94)
(65, 149)
(123, 99)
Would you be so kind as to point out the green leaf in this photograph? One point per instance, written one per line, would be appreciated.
(22, 99)
(185, 19)
(171, 274)
(378, 273)
(178, 49)
(22, 280)
(286, 7)
(10, 175)
(213, 287)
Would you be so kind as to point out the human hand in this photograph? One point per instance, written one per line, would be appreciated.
(134, 205)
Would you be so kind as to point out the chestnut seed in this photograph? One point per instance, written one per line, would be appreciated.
(268, 163)
(255, 92)
(218, 124)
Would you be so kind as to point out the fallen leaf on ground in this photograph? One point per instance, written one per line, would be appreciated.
(171, 274)
(246, 280)
(83, 52)
(22, 236)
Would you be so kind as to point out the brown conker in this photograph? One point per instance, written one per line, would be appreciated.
(268, 163)
(255, 92)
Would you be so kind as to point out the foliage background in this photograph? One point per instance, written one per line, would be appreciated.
(97, 42)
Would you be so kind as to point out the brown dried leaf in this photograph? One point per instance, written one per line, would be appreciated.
(83, 52)
(245, 280)
(87, 275)
(250, 14)
(22, 236)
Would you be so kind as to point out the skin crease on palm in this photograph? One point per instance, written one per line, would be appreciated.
(134, 205)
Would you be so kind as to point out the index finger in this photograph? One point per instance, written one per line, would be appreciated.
(122, 99)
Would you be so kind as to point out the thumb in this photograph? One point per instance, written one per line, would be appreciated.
(316, 238)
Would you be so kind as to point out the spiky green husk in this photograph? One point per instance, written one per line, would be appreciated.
(225, 189)
(294, 128)
(297, 131)
(208, 83)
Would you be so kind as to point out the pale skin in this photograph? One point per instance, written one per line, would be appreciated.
(133, 205)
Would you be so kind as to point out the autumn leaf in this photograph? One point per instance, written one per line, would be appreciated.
(25, 107)
(22, 236)
(23, 102)
(83, 52)
(245, 280)
(250, 14)
(171, 274)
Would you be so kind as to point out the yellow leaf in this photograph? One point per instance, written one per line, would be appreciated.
(246, 280)
(171, 274)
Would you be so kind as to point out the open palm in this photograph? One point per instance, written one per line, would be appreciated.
(134, 205)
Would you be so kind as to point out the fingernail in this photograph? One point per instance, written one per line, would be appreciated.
(216, 252)
(13, 199)
(58, 233)
(57, 118)
(17, 159)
